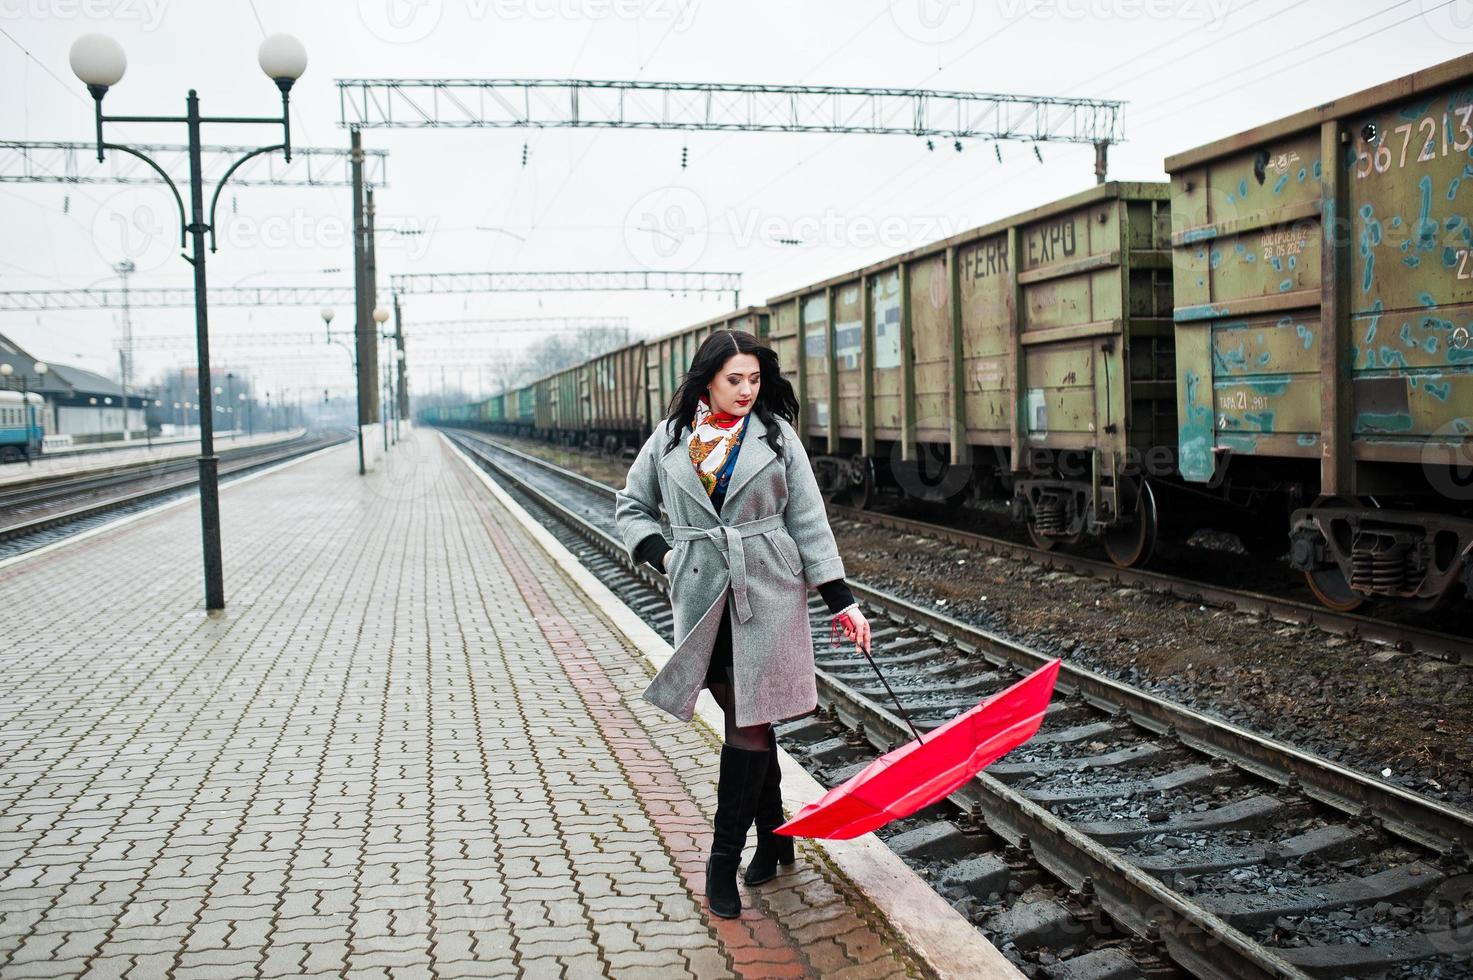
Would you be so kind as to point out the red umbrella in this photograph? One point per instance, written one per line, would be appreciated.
(919, 773)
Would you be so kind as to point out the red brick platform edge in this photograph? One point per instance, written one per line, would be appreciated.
(756, 945)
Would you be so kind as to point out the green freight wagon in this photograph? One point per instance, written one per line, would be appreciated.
(525, 416)
(562, 412)
(496, 410)
(1324, 298)
(668, 356)
(1031, 355)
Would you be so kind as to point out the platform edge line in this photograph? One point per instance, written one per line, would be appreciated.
(938, 933)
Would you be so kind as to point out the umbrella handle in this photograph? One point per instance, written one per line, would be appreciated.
(898, 706)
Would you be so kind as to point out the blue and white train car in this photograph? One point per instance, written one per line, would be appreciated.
(20, 425)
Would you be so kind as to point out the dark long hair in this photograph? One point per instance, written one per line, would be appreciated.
(775, 398)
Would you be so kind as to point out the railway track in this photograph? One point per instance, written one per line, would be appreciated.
(1443, 646)
(1221, 852)
(40, 511)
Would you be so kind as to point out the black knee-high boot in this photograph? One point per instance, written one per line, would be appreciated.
(737, 790)
(771, 848)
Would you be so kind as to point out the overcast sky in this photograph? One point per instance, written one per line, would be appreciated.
(1190, 70)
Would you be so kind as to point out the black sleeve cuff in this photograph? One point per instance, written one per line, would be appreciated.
(652, 551)
(836, 595)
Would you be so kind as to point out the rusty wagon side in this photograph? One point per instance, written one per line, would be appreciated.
(1324, 296)
(1032, 355)
(668, 356)
(614, 397)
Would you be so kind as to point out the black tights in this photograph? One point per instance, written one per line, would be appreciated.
(753, 738)
(750, 737)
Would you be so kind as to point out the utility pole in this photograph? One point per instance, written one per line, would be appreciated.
(364, 327)
(403, 392)
(124, 269)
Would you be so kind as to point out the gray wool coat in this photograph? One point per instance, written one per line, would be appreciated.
(768, 546)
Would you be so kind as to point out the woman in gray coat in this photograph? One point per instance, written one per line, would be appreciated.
(750, 537)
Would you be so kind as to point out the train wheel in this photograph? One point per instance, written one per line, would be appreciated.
(1133, 543)
(859, 496)
(1040, 541)
(1045, 542)
(1331, 589)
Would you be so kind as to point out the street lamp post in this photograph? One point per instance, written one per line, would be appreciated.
(327, 315)
(99, 62)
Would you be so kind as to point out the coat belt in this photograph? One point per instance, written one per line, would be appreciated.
(728, 540)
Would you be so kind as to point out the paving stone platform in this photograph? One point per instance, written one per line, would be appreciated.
(409, 747)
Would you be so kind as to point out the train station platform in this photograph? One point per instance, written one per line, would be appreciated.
(411, 745)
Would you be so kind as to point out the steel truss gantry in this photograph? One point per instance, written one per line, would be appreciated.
(483, 329)
(427, 103)
(61, 162)
(35, 300)
(640, 280)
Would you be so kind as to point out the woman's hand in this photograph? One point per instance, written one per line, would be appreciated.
(854, 626)
(665, 562)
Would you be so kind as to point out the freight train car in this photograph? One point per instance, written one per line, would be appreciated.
(561, 411)
(1030, 356)
(495, 410)
(1323, 306)
(521, 410)
(616, 399)
(668, 356)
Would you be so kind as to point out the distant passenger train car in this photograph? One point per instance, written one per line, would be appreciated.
(20, 425)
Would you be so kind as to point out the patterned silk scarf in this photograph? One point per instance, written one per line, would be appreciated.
(713, 441)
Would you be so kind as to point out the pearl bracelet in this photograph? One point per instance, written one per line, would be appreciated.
(852, 605)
